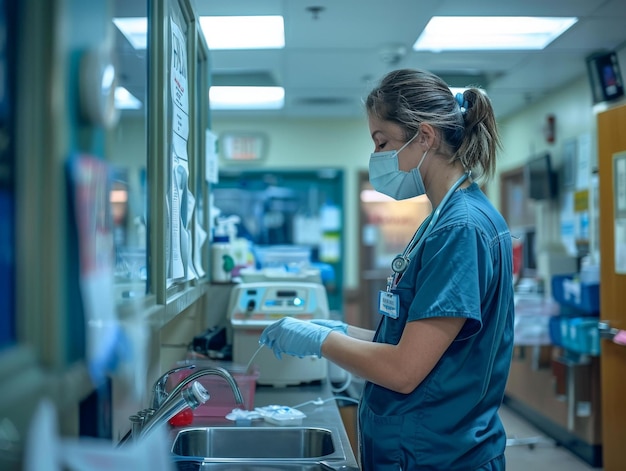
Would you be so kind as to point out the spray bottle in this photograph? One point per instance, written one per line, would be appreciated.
(222, 261)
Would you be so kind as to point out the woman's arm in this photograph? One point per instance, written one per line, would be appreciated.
(400, 367)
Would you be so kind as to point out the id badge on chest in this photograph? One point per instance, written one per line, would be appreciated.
(388, 304)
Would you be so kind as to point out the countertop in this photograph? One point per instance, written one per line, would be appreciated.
(325, 415)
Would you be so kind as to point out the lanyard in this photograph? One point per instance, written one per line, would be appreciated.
(401, 262)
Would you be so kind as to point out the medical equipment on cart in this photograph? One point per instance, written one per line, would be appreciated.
(254, 306)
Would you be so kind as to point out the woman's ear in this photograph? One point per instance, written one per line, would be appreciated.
(428, 136)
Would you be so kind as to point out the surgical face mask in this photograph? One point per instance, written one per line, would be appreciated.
(387, 178)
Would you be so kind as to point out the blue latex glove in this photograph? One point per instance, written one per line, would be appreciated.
(295, 337)
(332, 324)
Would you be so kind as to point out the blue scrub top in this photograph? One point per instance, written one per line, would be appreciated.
(450, 422)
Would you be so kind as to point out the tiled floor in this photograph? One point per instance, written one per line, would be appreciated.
(543, 456)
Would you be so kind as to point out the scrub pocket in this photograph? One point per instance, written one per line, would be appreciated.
(380, 441)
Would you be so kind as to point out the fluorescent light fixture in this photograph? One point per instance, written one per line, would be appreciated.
(243, 32)
(124, 100)
(135, 30)
(464, 33)
(221, 32)
(246, 98)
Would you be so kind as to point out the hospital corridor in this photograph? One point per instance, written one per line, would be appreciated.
(529, 449)
(308, 235)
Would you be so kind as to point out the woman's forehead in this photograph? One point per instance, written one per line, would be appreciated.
(387, 128)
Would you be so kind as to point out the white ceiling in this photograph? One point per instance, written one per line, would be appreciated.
(330, 62)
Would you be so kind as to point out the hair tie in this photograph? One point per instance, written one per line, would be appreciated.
(462, 102)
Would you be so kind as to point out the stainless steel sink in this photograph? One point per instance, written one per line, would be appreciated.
(257, 444)
(250, 466)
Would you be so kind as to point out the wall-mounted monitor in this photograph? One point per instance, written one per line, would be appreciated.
(540, 178)
(605, 76)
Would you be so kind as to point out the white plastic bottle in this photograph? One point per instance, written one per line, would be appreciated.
(222, 261)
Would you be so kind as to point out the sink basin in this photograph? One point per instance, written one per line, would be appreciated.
(256, 443)
(249, 466)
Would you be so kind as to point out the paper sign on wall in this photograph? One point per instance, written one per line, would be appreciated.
(180, 240)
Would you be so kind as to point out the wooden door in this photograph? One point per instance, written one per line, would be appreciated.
(612, 141)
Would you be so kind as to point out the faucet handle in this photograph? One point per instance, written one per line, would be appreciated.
(158, 390)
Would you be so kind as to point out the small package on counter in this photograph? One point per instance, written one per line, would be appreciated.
(281, 415)
(243, 417)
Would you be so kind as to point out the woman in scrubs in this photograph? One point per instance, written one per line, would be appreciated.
(437, 365)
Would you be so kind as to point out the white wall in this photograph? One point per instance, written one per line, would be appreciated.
(523, 136)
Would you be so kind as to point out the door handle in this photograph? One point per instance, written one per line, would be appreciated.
(611, 333)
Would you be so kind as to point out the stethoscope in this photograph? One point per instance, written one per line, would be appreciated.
(401, 262)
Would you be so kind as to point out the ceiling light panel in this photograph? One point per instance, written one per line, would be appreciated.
(243, 32)
(460, 33)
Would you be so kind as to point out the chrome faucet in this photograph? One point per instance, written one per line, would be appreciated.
(160, 396)
(165, 406)
(158, 390)
(191, 397)
(148, 419)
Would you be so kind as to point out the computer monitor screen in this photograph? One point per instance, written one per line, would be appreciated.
(540, 178)
(605, 76)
